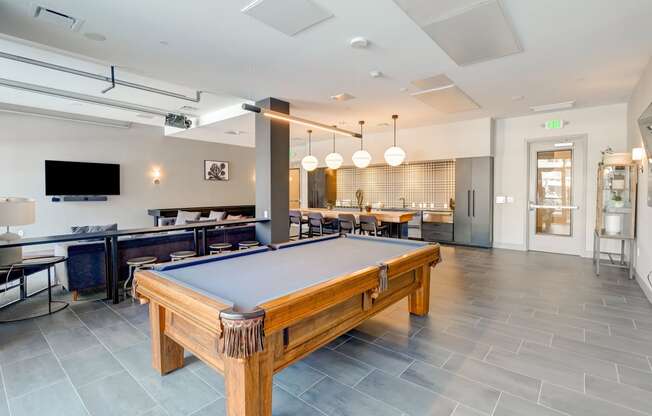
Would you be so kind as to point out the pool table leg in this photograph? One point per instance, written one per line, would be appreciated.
(419, 300)
(167, 355)
(248, 382)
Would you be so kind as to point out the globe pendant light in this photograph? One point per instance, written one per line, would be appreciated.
(394, 155)
(334, 160)
(309, 162)
(361, 158)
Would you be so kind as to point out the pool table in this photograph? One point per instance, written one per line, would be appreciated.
(251, 313)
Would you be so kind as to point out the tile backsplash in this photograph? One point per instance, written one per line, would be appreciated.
(428, 184)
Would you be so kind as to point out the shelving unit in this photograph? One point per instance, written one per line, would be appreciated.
(615, 217)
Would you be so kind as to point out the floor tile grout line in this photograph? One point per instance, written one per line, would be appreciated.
(493, 411)
(305, 402)
(203, 407)
(4, 390)
(66, 373)
(323, 376)
(120, 362)
(590, 396)
(385, 403)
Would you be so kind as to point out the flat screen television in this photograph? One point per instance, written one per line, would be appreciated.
(80, 178)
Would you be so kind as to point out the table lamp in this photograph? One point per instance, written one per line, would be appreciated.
(14, 211)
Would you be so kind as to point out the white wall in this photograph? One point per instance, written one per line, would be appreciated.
(26, 141)
(435, 142)
(638, 102)
(604, 126)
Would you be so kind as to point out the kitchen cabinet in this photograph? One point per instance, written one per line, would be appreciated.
(473, 216)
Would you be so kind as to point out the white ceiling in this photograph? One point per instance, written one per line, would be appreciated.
(591, 51)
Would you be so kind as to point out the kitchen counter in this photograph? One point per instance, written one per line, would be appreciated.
(390, 216)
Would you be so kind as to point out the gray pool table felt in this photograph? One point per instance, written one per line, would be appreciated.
(250, 280)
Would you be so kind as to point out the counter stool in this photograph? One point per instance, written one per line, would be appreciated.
(180, 255)
(348, 224)
(369, 224)
(243, 245)
(297, 218)
(135, 264)
(218, 248)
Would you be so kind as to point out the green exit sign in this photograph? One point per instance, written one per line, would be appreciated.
(554, 124)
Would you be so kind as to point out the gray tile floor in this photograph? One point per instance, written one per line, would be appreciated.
(509, 333)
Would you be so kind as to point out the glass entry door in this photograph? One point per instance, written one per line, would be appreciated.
(556, 183)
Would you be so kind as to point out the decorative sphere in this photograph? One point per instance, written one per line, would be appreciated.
(361, 159)
(334, 160)
(394, 156)
(309, 163)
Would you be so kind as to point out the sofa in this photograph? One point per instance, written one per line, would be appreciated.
(85, 268)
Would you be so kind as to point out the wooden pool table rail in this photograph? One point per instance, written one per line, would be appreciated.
(295, 324)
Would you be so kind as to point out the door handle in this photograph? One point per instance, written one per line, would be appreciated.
(533, 206)
(474, 202)
(468, 203)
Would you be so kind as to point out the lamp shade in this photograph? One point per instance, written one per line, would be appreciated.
(334, 160)
(394, 156)
(361, 159)
(309, 163)
(17, 211)
(638, 153)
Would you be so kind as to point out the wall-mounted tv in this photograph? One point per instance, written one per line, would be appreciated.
(80, 178)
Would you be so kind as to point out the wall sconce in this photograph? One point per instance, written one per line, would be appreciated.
(156, 176)
(638, 156)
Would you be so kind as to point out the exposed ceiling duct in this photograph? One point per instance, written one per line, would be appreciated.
(24, 86)
(111, 80)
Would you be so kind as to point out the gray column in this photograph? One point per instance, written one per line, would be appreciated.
(272, 173)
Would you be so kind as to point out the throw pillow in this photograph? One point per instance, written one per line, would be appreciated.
(183, 216)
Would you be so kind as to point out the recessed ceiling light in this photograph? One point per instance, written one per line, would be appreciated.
(188, 108)
(517, 97)
(164, 42)
(375, 74)
(145, 115)
(403, 89)
(345, 96)
(556, 106)
(235, 132)
(359, 42)
(98, 37)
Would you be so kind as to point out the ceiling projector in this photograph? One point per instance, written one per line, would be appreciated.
(177, 120)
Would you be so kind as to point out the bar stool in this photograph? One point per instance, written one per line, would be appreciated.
(297, 218)
(244, 245)
(135, 264)
(180, 255)
(218, 248)
(348, 224)
(369, 224)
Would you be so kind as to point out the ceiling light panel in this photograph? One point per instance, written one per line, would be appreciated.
(345, 96)
(470, 35)
(56, 17)
(553, 107)
(431, 83)
(287, 16)
(448, 100)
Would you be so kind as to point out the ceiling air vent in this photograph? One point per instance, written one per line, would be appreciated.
(57, 18)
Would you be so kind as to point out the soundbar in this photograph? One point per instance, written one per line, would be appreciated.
(92, 198)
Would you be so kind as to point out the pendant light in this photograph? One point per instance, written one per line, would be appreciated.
(334, 160)
(394, 155)
(309, 162)
(361, 158)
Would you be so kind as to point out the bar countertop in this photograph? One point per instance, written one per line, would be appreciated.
(384, 216)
